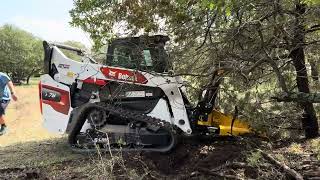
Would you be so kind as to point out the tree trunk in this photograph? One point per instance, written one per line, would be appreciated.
(31, 74)
(309, 119)
(28, 79)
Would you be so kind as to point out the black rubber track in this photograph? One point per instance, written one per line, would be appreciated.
(80, 117)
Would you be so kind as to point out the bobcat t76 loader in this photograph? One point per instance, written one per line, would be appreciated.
(131, 101)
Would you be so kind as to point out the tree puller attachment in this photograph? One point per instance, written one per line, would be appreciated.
(129, 102)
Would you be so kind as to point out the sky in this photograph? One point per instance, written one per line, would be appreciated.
(46, 19)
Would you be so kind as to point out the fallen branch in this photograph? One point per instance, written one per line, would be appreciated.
(279, 127)
(233, 165)
(298, 97)
(294, 174)
(206, 171)
(238, 165)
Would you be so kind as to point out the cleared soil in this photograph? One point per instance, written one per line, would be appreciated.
(28, 151)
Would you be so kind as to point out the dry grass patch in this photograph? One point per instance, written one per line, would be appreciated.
(36, 154)
(24, 118)
(295, 148)
(314, 147)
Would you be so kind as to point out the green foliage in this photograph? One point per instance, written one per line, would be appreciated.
(312, 2)
(20, 53)
(254, 159)
(75, 44)
(106, 19)
(72, 54)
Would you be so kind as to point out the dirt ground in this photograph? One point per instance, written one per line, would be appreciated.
(24, 118)
(28, 151)
(218, 159)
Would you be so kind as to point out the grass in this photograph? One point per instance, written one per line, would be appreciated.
(295, 148)
(254, 159)
(33, 82)
(36, 154)
(314, 146)
(28, 145)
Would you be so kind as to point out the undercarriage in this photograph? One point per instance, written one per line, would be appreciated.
(135, 132)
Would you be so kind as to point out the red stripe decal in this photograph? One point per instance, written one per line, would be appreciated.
(99, 82)
(124, 75)
(64, 105)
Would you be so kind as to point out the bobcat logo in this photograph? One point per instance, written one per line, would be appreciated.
(126, 77)
(112, 73)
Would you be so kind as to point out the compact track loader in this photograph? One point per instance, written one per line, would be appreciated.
(132, 101)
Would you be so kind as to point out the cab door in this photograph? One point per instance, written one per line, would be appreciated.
(55, 104)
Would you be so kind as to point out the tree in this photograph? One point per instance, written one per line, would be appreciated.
(297, 54)
(257, 42)
(20, 53)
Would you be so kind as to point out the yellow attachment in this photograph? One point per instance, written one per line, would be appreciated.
(223, 121)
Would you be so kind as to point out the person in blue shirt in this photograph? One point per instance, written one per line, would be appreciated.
(6, 93)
